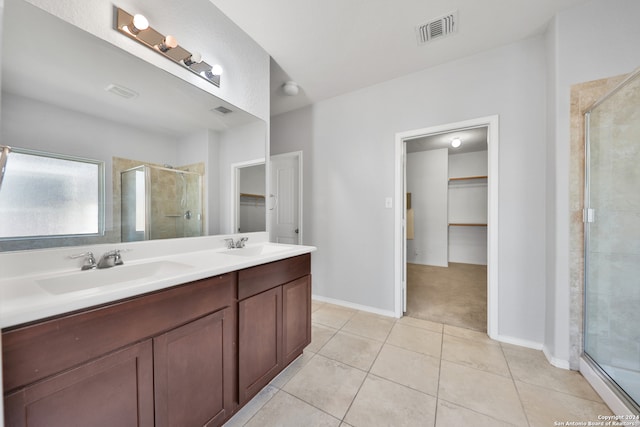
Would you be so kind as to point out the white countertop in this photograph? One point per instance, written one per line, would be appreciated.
(30, 294)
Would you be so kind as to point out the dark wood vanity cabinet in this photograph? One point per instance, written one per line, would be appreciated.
(296, 318)
(274, 320)
(116, 389)
(186, 356)
(193, 372)
(164, 359)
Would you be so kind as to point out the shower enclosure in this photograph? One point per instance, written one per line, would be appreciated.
(160, 203)
(612, 239)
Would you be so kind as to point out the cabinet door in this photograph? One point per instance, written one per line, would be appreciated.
(259, 341)
(114, 390)
(194, 371)
(296, 317)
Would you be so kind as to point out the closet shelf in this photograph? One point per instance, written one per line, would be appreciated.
(466, 224)
(466, 178)
(255, 196)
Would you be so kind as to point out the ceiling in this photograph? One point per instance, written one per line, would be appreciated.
(474, 139)
(332, 47)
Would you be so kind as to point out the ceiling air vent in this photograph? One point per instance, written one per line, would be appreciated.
(438, 28)
(121, 91)
(222, 110)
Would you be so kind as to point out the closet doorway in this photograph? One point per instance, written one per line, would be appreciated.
(447, 238)
(446, 182)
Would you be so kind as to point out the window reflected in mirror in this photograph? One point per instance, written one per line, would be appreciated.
(46, 194)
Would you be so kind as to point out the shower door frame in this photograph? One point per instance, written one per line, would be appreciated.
(607, 388)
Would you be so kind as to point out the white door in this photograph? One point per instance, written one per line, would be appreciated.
(284, 200)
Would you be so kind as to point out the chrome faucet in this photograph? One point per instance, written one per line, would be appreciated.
(110, 259)
(89, 260)
(236, 245)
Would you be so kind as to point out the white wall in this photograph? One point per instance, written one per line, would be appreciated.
(427, 176)
(194, 148)
(467, 202)
(293, 138)
(252, 180)
(238, 144)
(595, 40)
(348, 145)
(468, 164)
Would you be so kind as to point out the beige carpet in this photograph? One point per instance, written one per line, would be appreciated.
(454, 295)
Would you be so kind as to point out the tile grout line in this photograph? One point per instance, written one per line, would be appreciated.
(312, 405)
(329, 358)
(435, 414)
(261, 406)
(281, 389)
(367, 372)
(513, 380)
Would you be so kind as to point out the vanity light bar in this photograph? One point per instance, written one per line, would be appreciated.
(167, 46)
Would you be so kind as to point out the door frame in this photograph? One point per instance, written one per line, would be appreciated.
(235, 194)
(299, 156)
(400, 256)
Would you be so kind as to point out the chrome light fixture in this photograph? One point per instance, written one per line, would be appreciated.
(137, 28)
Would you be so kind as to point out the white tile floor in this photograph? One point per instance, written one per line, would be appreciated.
(367, 370)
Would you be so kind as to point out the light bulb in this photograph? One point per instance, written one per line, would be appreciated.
(138, 23)
(169, 42)
(455, 142)
(216, 70)
(195, 58)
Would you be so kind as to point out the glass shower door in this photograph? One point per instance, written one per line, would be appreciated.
(612, 237)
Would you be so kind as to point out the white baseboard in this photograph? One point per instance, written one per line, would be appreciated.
(558, 363)
(518, 341)
(360, 307)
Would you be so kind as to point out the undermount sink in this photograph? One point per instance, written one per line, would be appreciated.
(256, 250)
(91, 279)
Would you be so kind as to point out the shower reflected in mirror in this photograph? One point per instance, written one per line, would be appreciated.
(161, 203)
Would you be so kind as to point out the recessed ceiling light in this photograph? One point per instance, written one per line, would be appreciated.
(455, 142)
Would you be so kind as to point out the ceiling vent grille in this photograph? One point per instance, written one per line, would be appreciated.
(221, 110)
(438, 28)
(121, 91)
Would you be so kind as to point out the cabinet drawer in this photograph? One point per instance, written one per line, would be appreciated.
(252, 281)
(37, 351)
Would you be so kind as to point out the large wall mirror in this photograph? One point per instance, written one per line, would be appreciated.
(166, 147)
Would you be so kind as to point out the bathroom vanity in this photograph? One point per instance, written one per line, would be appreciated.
(187, 354)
